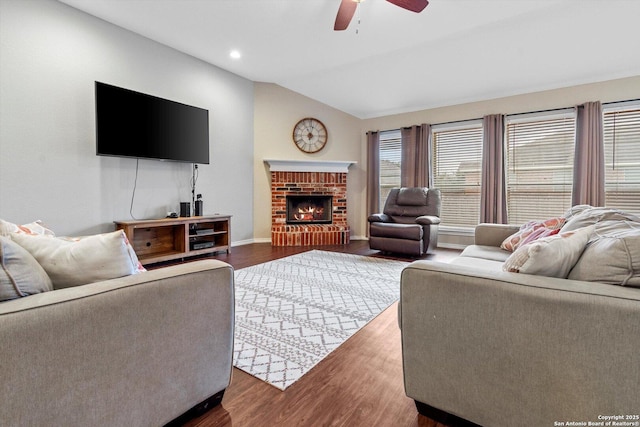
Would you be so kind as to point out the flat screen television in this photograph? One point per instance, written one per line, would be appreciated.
(134, 124)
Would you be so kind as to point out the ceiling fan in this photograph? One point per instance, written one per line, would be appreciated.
(348, 8)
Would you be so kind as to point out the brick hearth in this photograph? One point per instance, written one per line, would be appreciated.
(309, 183)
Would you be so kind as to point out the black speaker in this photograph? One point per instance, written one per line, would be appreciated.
(198, 206)
(185, 209)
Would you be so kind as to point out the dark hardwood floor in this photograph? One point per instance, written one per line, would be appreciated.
(359, 384)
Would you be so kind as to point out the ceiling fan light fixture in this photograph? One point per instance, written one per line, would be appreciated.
(345, 13)
(416, 6)
(348, 9)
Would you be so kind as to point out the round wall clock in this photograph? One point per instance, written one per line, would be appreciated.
(310, 135)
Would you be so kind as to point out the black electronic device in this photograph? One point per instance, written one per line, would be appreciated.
(201, 245)
(134, 124)
(185, 209)
(198, 206)
(204, 231)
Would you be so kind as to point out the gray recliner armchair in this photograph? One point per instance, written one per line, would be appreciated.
(409, 222)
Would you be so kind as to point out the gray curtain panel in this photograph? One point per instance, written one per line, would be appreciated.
(416, 156)
(588, 162)
(373, 172)
(493, 193)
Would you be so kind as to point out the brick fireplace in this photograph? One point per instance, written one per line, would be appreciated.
(309, 178)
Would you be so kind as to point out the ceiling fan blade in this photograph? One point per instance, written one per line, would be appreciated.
(345, 13)
(416, 6)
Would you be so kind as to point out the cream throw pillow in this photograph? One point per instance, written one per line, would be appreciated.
(612, 255)
(35, 227)
(20, 273)
(550, 256)
(590, 216)
(81, 261)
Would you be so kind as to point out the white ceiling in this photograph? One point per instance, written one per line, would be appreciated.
(455, 51)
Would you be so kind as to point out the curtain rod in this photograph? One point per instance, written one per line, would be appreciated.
(620, 102)
(551, 110)
(514, 114)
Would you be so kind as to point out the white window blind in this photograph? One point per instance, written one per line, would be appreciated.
(457, 161)
(622, 157)
(539, 170)
(390, 163)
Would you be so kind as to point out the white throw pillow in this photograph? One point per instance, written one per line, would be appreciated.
(35, 227)
(590, 216)
(550, 256)
(20, 273)
(73, 262)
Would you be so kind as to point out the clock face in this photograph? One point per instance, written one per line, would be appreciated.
(310, 135)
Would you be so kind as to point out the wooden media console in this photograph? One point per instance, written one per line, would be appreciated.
(159, 240)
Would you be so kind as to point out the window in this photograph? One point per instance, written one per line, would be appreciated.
(390, 163)
(621, 125)
(539, 169)
(457, 161)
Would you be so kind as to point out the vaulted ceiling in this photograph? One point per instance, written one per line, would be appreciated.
(393, 60)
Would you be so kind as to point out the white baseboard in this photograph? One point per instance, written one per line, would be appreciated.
(249, 241)
(451, 246)
(262, 240)
(359, 238)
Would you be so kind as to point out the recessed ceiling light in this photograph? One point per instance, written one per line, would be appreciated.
(235, 54)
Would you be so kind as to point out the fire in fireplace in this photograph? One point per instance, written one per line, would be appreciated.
(310, 209)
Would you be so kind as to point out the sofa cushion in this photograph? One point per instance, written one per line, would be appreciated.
(20, 273)
(492, 253)
(531, 231)
(550, 256)
(397, 231)
(73, 262)
(479, 263)
(612, 255)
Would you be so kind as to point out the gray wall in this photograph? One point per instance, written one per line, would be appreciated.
(50, 56)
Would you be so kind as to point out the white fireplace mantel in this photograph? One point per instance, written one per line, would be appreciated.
(309, 165)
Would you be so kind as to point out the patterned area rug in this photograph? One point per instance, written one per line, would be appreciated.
(292, 312)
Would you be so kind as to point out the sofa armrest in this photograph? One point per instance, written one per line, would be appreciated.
(474, 341)
(427, 220)
(125, 344)
(379, 217)
(487, 234)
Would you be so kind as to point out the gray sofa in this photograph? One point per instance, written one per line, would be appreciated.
(135, 351)
(502, 349)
